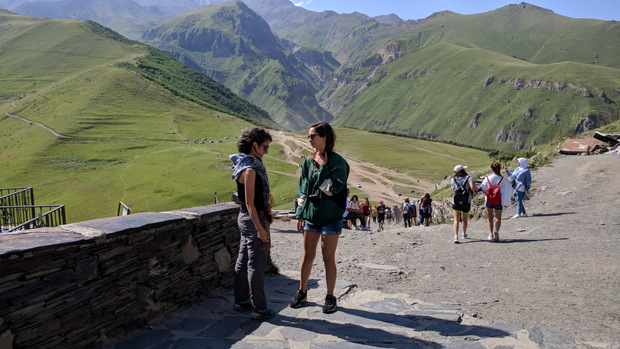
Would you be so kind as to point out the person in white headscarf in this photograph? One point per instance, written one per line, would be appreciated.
(522, 180)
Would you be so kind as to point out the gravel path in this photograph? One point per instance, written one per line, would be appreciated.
(556, 269)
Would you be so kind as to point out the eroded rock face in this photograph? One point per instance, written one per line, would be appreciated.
(587, 123)
(556, 86)
(474, 120)
(603, 96)
(489, 81)
(510, 134)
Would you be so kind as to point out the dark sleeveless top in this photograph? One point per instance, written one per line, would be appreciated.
(259, 200)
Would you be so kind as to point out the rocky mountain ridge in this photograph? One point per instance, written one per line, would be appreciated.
(231, 43)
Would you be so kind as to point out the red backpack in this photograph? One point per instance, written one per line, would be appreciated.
(494, 195)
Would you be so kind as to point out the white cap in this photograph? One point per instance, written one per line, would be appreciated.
(459, 168)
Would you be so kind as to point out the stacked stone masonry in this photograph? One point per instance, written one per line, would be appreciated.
(82, 284)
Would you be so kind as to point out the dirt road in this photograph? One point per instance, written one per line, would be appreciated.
(557, 269)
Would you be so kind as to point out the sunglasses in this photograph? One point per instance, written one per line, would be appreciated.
(312, 135)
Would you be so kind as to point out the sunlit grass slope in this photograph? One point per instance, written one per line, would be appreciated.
(128, 138)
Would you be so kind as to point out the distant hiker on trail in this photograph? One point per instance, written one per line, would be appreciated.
(322, 193)
(254, 218)
(366, 211)
(374, 214)
(464, 189)
(426, 209)
(522, 178)
(408, 211)
(396, 213)
(497, 190)
(413, 213)
(380, 215)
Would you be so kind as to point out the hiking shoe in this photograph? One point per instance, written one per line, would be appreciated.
(515, 216)
(366, 229)
(496, 236)
(330, 305)
(263, 314)
(298, 300)
(456, 239)
(243, 306)
(464, 235)
(523, 214)
(490, 237)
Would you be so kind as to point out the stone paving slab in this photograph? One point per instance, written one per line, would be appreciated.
(365, 319)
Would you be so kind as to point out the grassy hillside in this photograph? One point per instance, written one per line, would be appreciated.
(431, 93)
(423, 159)
(512, 78)
(522, 31)
(127, 138)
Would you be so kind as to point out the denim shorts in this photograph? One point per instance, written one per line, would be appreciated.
(497, 207)
(329, 229)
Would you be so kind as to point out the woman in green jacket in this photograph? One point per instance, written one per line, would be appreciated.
(322, 201)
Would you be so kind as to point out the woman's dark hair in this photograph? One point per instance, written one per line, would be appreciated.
(255, 134)
(461, 173)
(355, 196)
(325, 130)
(495, 167)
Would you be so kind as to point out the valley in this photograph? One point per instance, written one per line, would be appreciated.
(142, 127)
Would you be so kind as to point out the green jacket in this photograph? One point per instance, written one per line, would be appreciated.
(329, 209)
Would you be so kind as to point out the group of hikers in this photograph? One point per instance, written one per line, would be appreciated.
(384, 214)
(323, 206)
(497, 191)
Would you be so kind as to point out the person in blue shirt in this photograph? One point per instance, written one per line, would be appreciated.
(522, 180)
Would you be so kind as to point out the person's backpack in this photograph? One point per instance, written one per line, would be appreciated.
(494, 195)
(461, 194)
(406, 208)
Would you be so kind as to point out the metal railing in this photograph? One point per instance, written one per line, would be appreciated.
(13, 218)
(16, 196)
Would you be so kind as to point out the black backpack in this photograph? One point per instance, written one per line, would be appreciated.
(461, 194)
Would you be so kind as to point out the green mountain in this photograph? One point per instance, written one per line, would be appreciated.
(511, 78)
(125, 122)
(349, 37)
(232, 44)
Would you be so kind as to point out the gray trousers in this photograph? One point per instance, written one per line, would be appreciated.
(251, 262)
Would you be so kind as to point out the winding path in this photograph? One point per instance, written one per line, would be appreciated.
(56, 134)
(377, 183)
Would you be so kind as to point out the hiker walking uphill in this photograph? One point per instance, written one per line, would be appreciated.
(464, 189)
(426, 209)
(408, 212)
(522, 180)
(365, 207)
(497, 190)
(380, 215)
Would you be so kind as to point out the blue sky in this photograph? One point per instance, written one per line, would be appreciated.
(417, 9)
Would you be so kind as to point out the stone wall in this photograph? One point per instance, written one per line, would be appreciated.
(80, 284)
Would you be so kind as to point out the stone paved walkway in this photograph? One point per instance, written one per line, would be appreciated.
(365, 319)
